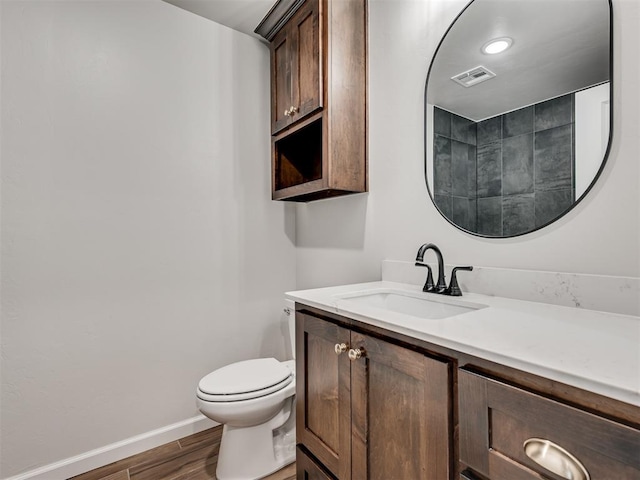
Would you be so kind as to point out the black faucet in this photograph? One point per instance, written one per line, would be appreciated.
(441, 287)
(454, 289)
(428, 286)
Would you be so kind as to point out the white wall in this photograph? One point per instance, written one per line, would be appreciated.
(593, 112)
(344, 240)
(140, 247)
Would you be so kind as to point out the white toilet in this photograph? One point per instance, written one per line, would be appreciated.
(255, 400)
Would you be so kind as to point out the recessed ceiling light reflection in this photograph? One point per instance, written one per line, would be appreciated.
(497, 45)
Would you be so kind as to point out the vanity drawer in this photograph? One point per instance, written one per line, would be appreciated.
(507, 469)
(497, 419)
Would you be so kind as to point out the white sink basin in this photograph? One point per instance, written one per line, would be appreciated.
(426, 305)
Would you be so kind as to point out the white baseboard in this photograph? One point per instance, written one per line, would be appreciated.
(99, 457)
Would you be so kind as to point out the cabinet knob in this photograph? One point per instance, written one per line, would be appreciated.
(355, 353)
(290, 111)
(555, 459)
(340, 348)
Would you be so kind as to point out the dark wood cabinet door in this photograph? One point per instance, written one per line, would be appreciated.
(281, 78)
(496, 419)
(308, 469)
(296, 67)
(323, 393)
(307, 85)
(401, 405)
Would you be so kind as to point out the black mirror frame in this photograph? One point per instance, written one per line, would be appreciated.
(595, 178)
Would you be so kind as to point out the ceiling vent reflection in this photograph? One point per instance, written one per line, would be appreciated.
(474, 76)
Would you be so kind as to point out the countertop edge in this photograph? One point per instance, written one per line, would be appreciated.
(324, 299)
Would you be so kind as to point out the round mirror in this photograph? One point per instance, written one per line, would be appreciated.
(518, 116)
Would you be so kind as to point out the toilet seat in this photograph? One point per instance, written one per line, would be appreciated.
(245, 380)
(236, 397)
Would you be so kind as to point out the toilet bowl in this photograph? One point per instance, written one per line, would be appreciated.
(255, 401)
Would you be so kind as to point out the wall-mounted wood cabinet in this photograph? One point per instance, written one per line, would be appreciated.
(318, 98)
(370, 409)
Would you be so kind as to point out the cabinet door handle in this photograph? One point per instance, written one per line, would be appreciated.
(356, 353)
(290, 111)
(555, 459)
(340, 348)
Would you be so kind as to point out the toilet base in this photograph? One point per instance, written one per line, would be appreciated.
(251, 453)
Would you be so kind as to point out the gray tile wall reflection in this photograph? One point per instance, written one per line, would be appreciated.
(517, 164)
(454, 168)
(509, 174)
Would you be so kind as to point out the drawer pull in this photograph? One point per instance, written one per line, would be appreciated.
(555, 459)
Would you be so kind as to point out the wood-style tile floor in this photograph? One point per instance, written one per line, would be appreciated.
(191, 458)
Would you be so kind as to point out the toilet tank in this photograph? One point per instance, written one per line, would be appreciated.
(290, 313)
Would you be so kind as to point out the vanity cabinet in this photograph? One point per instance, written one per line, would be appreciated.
(374, 403)
(318, 98)
(308, 469)
(509, 433)
(368, 408)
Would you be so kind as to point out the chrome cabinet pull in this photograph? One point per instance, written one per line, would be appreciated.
(355, 353)
(340, 348)
(555, 459)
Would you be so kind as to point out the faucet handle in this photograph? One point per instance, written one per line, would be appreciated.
(429, 286)
(454, 289)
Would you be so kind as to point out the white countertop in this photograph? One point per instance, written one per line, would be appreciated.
(595, 351)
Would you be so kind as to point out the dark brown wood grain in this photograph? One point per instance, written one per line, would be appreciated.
(323, 393)
(496, 419)
(277, 17)
(592, 402)
(346, 121)
(121, 475)
(308, 468)
(296, 67)
(307, 96)
(607, 407)
(386, 415)
(400, 413)
(473, 435)
(281, 80)
(193, 457)
(323, 405)
(467, 475)
(325, 76)
(299, 158)
(503, 468)
(495, 407)
(178, 464)
(161, 452)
